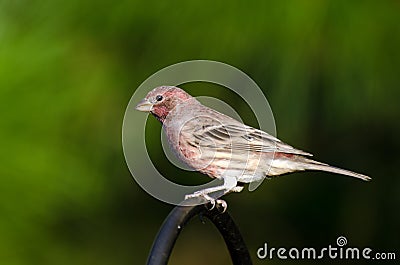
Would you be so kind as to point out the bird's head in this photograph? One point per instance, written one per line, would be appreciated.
(161, 100)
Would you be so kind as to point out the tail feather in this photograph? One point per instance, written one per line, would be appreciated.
(315, 165)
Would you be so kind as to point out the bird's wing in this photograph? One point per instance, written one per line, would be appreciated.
(240, 137)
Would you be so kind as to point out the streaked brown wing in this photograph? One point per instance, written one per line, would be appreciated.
(237, 137)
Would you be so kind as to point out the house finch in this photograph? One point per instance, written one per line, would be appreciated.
(222, 147)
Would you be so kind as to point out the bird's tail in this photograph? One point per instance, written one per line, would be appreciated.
(309, 164)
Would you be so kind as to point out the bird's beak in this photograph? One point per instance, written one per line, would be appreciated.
(144, 105)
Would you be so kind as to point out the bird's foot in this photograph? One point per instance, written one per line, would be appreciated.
(202, 196)
(211, 202)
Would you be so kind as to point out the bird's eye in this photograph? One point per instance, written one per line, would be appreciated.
(159, 97)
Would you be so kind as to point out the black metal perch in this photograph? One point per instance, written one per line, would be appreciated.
(178, 218)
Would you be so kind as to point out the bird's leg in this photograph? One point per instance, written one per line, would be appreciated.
(204, 194)
(237, 189)
(230, 185)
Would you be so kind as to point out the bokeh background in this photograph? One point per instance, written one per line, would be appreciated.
(330, 70)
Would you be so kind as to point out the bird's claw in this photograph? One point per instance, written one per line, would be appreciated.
(223, 204)
(210, 205)
(220, 205)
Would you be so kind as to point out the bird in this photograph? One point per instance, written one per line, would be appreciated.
(222, 147)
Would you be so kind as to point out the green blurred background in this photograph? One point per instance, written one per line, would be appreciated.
(330, 70)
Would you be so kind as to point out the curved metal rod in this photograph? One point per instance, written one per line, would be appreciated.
(178, 218)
